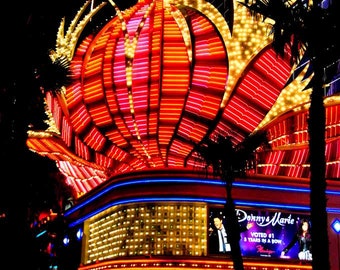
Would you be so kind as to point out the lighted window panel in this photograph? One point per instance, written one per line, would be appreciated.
(146, 229)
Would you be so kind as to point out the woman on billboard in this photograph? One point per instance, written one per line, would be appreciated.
(304, 239)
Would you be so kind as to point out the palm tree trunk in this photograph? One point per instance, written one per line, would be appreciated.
(318, 201)
(233, 229)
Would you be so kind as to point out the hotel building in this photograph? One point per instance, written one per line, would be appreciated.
(149, 84)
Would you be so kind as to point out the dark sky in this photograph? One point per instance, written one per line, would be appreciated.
(29, 29)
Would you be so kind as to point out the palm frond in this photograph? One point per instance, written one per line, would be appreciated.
(227, 159)
(55, 75)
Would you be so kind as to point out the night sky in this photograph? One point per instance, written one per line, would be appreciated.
(28, 32)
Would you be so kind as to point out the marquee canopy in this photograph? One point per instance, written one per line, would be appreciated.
(159, 78)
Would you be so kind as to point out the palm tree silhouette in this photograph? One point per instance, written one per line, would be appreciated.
(227, 162)
(310, 30)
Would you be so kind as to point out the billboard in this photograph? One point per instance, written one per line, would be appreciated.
(264, 233)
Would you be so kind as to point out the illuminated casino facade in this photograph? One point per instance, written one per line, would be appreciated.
(148, 85)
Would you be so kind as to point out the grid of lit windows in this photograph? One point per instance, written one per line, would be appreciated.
(146, 229)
